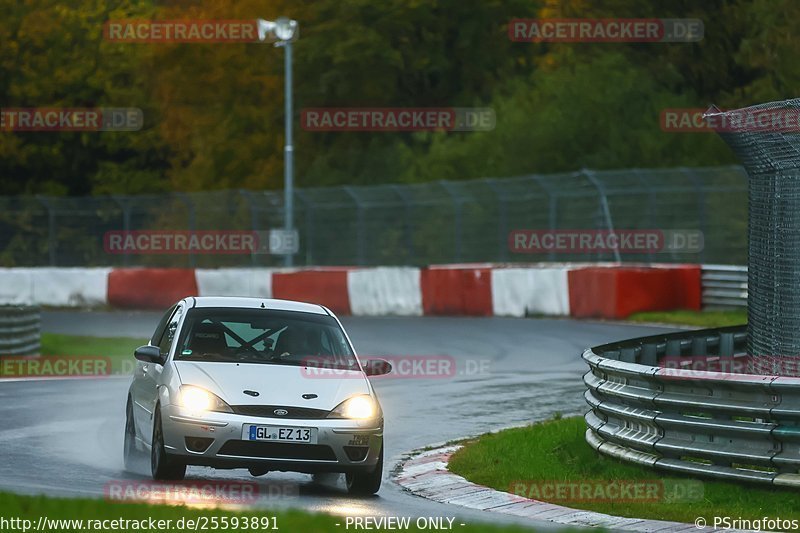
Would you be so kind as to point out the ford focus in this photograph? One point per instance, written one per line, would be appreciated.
(266, 385)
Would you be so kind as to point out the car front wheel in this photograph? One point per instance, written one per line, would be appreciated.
(366, 484)
(162, 466)
(130, 448)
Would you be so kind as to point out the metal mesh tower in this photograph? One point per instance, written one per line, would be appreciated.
(766, 138)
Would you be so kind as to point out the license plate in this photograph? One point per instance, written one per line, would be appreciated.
(280, 434)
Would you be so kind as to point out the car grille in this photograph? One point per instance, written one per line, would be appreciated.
(277, 450)
(298, 413)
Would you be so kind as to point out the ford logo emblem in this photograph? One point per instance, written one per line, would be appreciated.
(281, 412)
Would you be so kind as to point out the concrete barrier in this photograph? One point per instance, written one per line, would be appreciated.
(530, 291)
(150, 288)
(603, 290)
(256, 282)
(325, 287)
(457, 291)
(385, 291)
(619, 292)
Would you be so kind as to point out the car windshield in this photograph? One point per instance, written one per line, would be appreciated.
(264, 336)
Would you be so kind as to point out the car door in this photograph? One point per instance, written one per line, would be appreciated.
(148, 375)
(140, 414)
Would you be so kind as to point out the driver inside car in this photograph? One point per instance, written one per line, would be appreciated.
(298, 342)
(209, 339)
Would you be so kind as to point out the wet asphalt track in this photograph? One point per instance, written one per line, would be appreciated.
(65, 437)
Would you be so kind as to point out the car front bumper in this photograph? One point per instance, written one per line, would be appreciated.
(342, 445)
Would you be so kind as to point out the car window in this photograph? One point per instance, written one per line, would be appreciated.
(169, 332)
(261, 336)
(162, 324)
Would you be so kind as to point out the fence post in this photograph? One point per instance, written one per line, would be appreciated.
(457, 230)
(308, 216)
(601, 191)
(253, 222)
(360, 221)
(651, 207)
(552, 208)
(502, 218)
(52, 243)
(124, 205)
(186, 200)
(407, 229)
(701, 207)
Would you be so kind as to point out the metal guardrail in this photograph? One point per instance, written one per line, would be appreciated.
(20, 330)
(724, 286)
(738, 427)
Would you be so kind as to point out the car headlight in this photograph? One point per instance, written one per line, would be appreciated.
(357, 408)
(199, 400)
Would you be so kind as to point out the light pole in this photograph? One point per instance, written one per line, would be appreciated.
(283, 32)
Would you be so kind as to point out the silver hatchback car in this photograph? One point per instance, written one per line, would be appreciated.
(258, 384)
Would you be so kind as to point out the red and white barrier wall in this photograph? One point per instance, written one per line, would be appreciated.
(57, 287)
(578, 290)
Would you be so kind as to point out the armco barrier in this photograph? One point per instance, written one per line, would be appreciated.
(20, 330)
(150, 288)
(728, 426)
(724, 286)
(618, 292)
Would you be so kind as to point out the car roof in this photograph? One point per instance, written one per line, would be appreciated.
(242, 302)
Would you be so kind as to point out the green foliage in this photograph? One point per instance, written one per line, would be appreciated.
(53, 55)
(214, 112)
(566, 120)
(700, 319)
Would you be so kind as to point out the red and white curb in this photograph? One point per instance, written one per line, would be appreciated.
(425, 474)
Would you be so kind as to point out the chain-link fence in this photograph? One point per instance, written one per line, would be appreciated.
(409, 224)
(771, 156)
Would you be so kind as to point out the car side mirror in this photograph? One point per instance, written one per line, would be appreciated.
(377, 367)
(148, 354)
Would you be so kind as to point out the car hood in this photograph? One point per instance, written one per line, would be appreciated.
(276, 384)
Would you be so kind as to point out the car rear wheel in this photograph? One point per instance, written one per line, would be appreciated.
(162, 465)
(365, 484)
